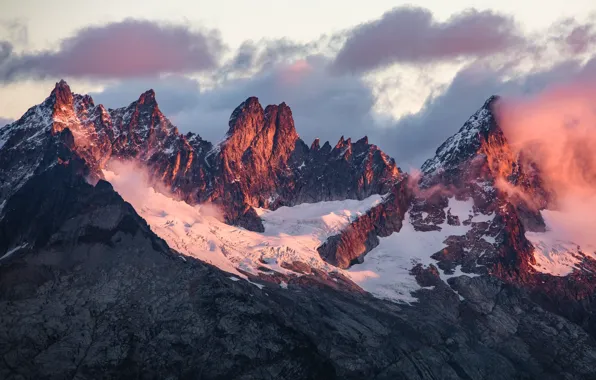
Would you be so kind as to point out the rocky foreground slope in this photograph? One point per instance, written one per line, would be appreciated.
(88, 290)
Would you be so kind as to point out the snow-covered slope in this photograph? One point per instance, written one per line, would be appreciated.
(292, 234)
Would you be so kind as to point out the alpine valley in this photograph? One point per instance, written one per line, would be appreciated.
(131, 250)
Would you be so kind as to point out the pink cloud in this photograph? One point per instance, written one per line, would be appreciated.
(293, 73)
(131, 48)
(557, 129)
(412, 35)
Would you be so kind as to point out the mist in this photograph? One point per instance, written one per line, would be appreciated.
(557, 130)
(132, 181)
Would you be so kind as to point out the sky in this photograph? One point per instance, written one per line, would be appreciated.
(407, 75)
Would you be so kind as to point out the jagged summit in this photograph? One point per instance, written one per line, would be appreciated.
(61, 100)
(466, 142)
(262, 161)
(61, 85)
(490, 102)
(250, 105)
(147, 98)
(250, 117)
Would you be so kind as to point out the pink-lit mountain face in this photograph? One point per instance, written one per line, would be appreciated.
(503, 231)
(260, 163)
(325, 261)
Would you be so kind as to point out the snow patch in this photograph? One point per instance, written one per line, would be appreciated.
(461, 209)
(553, 252)
(489, 239)
(465, 211)
(13, 250)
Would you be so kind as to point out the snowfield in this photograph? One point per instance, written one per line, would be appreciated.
(291, 234)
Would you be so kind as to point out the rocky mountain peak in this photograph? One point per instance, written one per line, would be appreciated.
(467, 141)
(251, 107)
(147, 98)
(63, 106)
(62, 94)
(261, 163)
(491, 101)
(363, 141)
(75, 257)
(280, 121)
(316, 144)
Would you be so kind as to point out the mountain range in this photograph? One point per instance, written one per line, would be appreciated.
(129, 249)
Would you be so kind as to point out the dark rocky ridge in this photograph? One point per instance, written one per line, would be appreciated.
(99, 295)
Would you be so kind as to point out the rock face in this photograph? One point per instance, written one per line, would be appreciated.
(263, 163)
(363, 234)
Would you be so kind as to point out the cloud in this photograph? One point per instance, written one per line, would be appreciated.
(323, 106)
(4, 121)
(557, 129)
(6, 49)
(415, 137)
(328, 107)
(329, 104)
(130, 48)
(254, 56)
(412, 35)
(574, 37)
